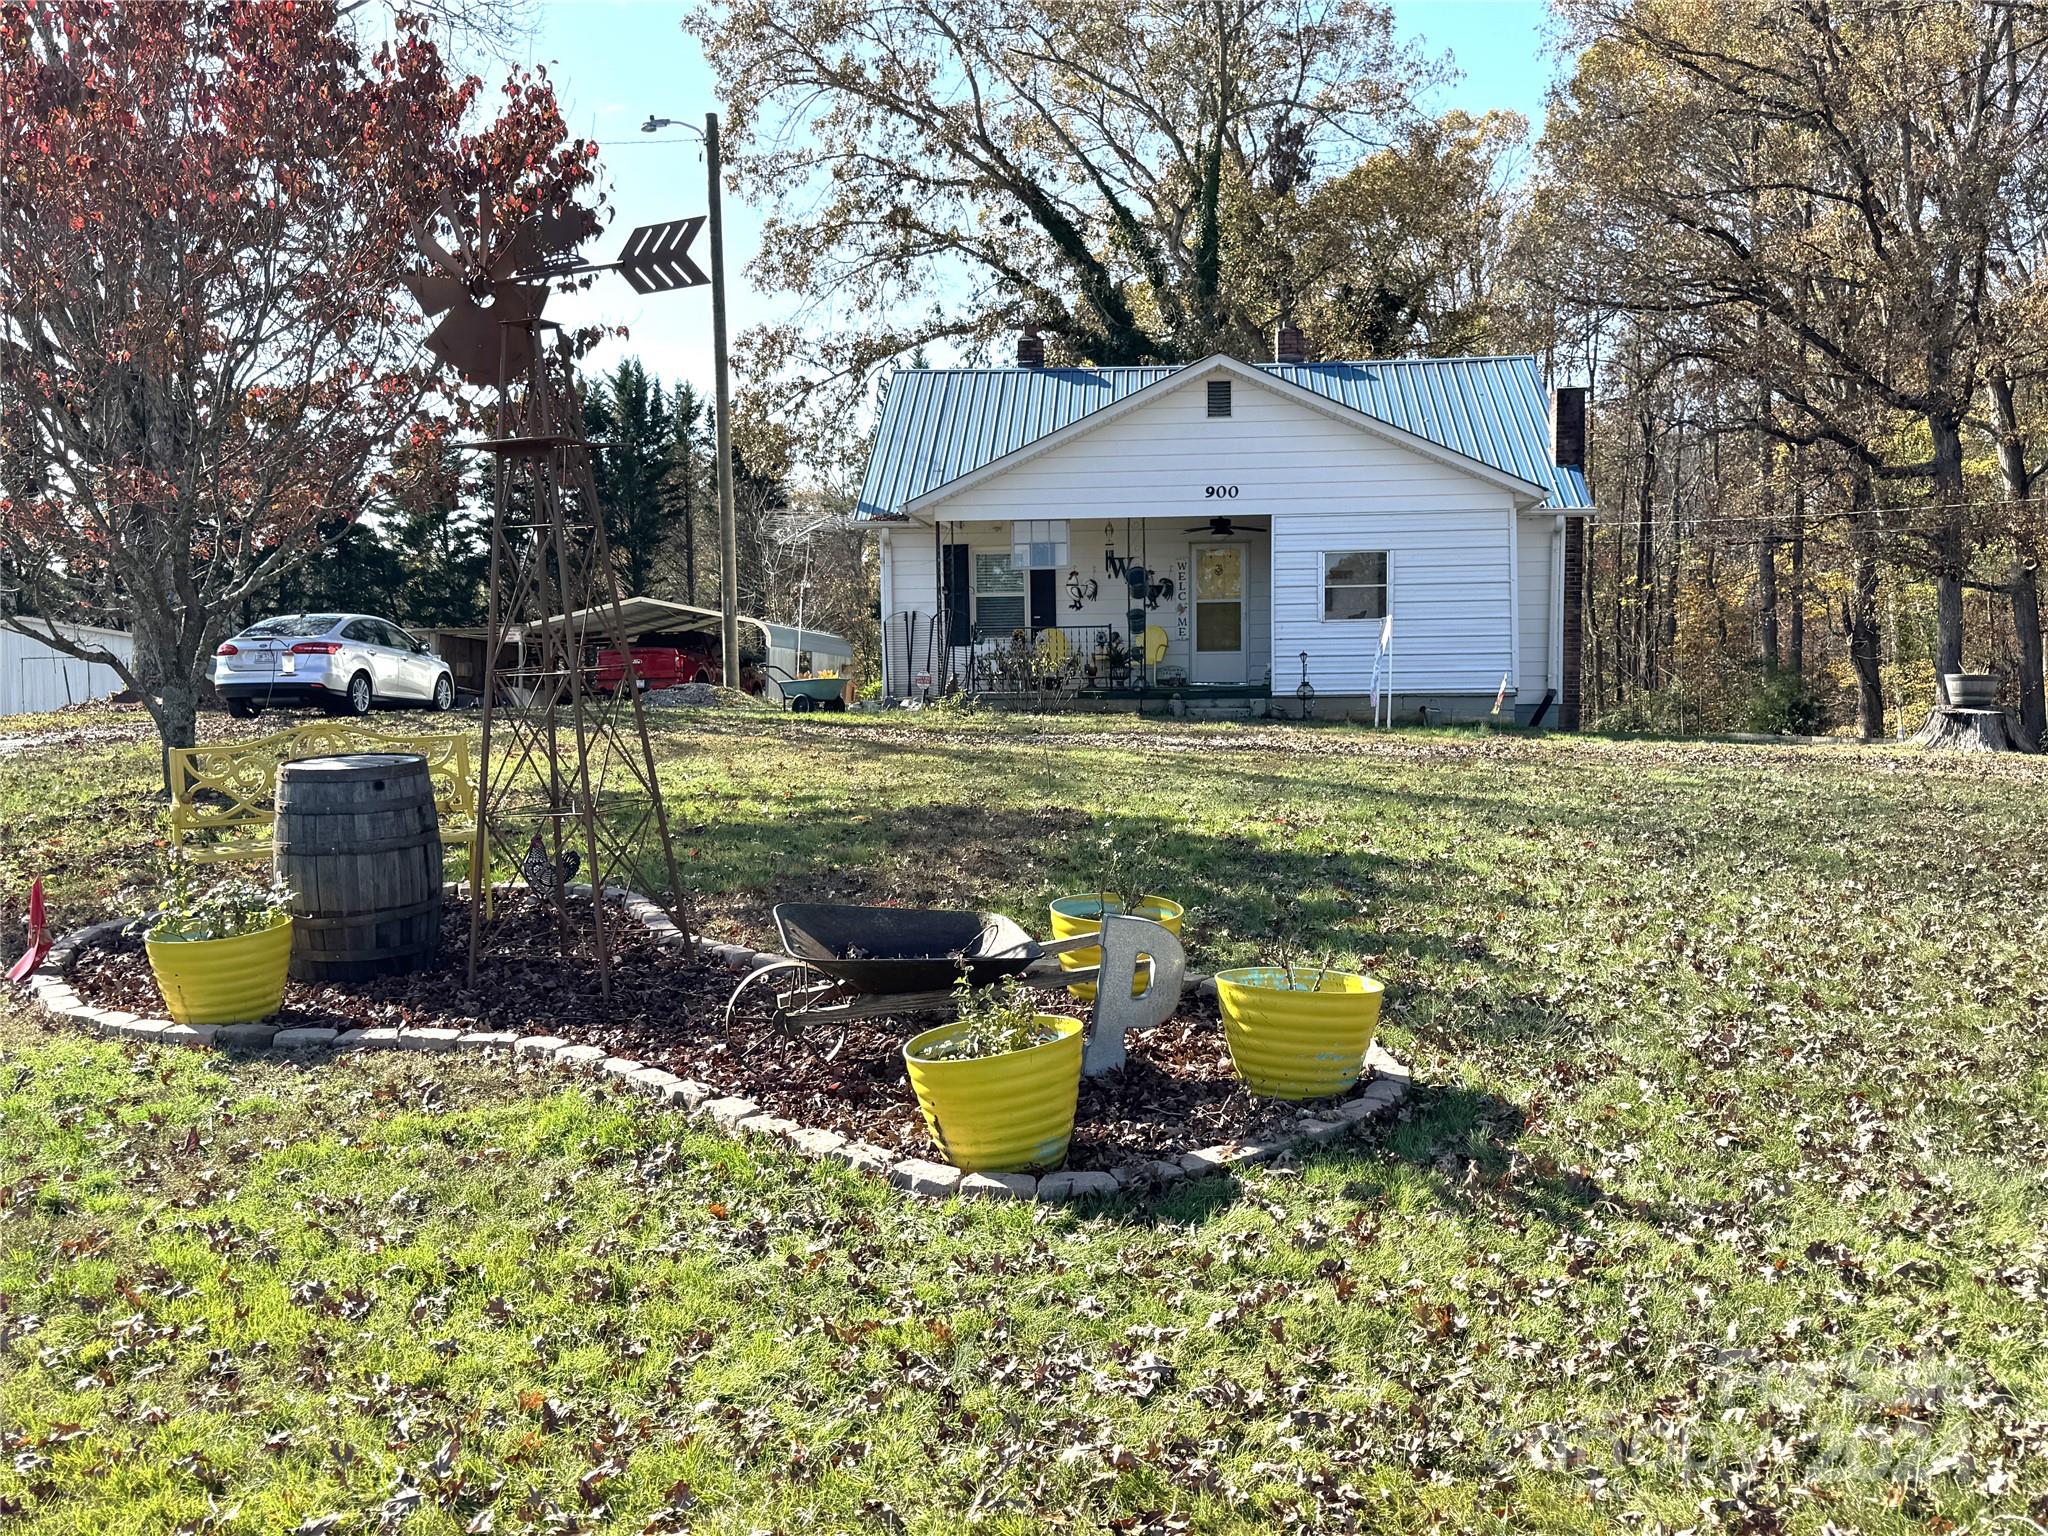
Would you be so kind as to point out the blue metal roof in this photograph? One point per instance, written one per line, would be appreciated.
(942, 423)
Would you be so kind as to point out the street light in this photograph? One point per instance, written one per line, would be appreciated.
(728, 521)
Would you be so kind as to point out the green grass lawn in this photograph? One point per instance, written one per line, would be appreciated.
(1719, 1204)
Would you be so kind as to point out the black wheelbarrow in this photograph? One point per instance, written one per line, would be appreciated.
(848, 962)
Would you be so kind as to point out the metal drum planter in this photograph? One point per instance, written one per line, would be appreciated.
(359, 843)
(1297, 1032)
(1012, 1113)
(1073, 916)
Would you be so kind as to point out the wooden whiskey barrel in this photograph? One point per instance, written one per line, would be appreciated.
(359, 843)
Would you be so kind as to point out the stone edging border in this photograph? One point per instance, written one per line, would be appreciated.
(50, 986)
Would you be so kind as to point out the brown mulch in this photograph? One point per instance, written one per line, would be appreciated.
(1176, 1094)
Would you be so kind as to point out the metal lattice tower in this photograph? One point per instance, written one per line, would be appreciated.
(562, 759)
(566, 781)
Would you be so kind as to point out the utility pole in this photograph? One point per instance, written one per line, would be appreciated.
(728, 519)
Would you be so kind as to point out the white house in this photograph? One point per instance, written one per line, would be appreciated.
(35, 676)
(1212, 530)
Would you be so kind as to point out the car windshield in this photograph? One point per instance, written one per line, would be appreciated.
(290, 626)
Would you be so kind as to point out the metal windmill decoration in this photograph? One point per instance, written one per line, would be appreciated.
(566, 782)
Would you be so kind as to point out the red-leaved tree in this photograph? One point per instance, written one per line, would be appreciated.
(205, 355)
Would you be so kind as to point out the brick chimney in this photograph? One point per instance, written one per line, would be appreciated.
(1568, 425)
(1568, 438)
(1574, 652)
(1030, 350)
(1288, 347)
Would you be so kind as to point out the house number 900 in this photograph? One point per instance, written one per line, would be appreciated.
(1220, 492)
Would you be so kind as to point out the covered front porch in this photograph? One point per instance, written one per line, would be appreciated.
(1040, 612)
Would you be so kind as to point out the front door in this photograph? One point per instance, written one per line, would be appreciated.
(1218, 655)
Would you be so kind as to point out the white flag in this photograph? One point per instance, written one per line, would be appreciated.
(1383, 655)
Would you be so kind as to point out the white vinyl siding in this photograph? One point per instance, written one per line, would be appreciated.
(1448, 578)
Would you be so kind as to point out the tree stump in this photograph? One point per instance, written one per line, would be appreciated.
(1949, 729)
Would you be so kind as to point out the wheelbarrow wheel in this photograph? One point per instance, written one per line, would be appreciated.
(803, 704)
(758, 1005)
(835, 706)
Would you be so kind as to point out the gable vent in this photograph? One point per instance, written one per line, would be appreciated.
(1219, 397)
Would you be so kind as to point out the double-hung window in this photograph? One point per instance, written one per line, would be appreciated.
(999, 593)
(1355, 584)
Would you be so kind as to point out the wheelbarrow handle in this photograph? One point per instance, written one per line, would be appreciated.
(1063, 946)
(1052, 978)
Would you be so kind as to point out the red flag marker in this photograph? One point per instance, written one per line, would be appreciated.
(38, 935)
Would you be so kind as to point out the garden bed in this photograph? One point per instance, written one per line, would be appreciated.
(1177, 1093)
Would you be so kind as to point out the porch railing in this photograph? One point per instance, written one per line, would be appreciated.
(1056, 659)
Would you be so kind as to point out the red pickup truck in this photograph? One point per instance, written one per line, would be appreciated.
(658, 666)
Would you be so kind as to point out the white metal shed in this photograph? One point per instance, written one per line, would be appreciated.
(36, 677)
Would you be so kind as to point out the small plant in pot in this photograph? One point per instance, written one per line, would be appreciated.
(1298, 1031)
(219, 947)
(999, 1084)
(1121, 893)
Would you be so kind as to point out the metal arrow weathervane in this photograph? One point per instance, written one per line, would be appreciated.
(489, 289)
(656, 259)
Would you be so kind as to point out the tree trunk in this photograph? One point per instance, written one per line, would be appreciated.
(1767, 600)
(1766, 543)
(2026, 624)
(1860, 616)
(1948, 553)
(1643, 640)
(1796, 631)
(2024, 589)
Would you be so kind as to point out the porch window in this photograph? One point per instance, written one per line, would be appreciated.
(1039, 544)
(1355, 584)
(999, 593)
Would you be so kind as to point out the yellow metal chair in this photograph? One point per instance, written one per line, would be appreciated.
(222, 794)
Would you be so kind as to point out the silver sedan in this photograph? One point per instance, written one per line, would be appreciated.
(348, 663)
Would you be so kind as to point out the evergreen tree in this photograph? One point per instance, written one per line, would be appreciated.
(443, 543)
(688, 483)
(626, 413)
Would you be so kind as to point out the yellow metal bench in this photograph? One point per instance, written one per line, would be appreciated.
(222, 796)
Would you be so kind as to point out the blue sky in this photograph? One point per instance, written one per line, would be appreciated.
(616, 61)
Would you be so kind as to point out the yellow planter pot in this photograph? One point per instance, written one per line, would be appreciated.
(1291, 1043)
(1073, 916)
(1012, 1113)
(223, 981)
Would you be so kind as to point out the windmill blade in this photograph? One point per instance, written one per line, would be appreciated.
(435, 291)
(541, 239)
(436, 252)
(472, 341)
(472, 338)
(656, 258)
(469, 257)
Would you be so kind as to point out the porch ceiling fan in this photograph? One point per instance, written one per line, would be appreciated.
(1216, 527)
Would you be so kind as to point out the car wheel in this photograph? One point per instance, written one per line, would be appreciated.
(244, 709)
(359, 696)
(444, 694)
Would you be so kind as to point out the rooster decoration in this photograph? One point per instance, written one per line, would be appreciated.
(544, 877)
(38, 935)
